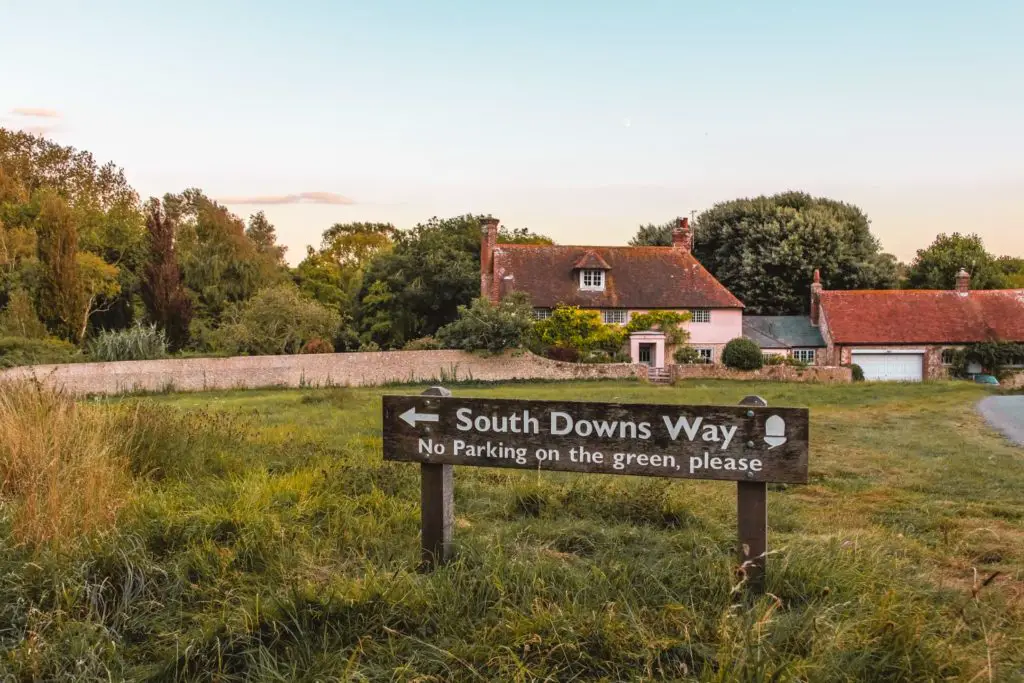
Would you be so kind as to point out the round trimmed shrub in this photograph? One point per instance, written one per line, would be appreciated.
(858, 372)
(686, 355)
(742, 354)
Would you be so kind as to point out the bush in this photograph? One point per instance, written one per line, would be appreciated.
(578, 329)
(483, 326)
(16, 351)
(317, 345)
(993, 357)
(775, 359)
(61, 468)
(858, 372)
(139, 342)
(687, 355)
(277, 320)
(742, 354)
(422, 344)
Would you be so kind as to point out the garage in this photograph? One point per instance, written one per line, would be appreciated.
(891, 366)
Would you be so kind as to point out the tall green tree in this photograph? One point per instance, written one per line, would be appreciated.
(765, 249)
(262, 233)
(431, 271)
(936, 266)
(220, 264)
(1012, 268)
(103, 207)
(73, 284)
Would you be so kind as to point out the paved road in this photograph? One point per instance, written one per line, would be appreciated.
(1005, 413)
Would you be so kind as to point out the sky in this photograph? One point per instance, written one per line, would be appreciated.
(577, 119)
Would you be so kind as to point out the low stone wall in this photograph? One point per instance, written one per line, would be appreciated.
(771, 373)
(337, 369)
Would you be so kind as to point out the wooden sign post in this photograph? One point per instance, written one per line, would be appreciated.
(750, 444)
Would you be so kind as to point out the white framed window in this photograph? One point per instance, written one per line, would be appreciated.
(592, 279)
(614, 316)
(706, 355)
(541, 313)
(948, 356)
(700, 315)
(804, 355)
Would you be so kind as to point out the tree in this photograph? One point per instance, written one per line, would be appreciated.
(936, 266)
(164, 294)
(652, 235)
(765, 250)
(419, 285)
(1012, 268)
(356, 244)
(333, 274)
(261, 233)
(484, 326)
(220, 265)
(102, 205)
(521, 236)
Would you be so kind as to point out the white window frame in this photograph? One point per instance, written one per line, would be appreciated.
(614, 316)
(808, 356)
(707, 355)
(700, 315)
(592, 279)
(541, 313)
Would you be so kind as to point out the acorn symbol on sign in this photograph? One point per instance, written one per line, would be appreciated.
(774, 431)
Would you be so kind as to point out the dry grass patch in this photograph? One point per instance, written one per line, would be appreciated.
(62, 468)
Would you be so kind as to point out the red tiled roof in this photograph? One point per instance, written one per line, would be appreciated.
(637, 277)
(591, 261)
(924, 316)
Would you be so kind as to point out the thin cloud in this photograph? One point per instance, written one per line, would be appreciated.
(298, 198)
(36, 112)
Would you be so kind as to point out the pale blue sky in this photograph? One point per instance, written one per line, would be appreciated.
(577, 119)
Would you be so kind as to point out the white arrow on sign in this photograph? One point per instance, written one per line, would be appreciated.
(412, 417)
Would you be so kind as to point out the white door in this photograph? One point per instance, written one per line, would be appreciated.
(891, 367)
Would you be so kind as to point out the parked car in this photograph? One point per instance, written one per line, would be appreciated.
(986, 379)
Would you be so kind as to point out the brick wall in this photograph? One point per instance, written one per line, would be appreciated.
(353, 369)
(776, 373)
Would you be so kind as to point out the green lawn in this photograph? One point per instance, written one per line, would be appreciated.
(267, 540)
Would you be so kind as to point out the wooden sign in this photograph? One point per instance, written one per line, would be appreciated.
(736, 443)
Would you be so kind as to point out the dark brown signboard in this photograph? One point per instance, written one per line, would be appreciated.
(737, 443)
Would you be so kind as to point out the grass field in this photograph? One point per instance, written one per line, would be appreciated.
(262, 537)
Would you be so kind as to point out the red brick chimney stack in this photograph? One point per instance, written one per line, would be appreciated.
(963, 282)
(682, 236)
(816, 298)
(488, 239)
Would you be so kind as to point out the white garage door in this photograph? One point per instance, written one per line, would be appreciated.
(891, 367)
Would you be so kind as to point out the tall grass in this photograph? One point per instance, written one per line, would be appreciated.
(140, 342)
(62, 468)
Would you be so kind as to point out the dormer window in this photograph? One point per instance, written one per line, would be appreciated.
(592, 279)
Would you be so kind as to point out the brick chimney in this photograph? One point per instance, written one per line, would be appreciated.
(682, 236)
(816, 298)
(488, 238)
(963, 282)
